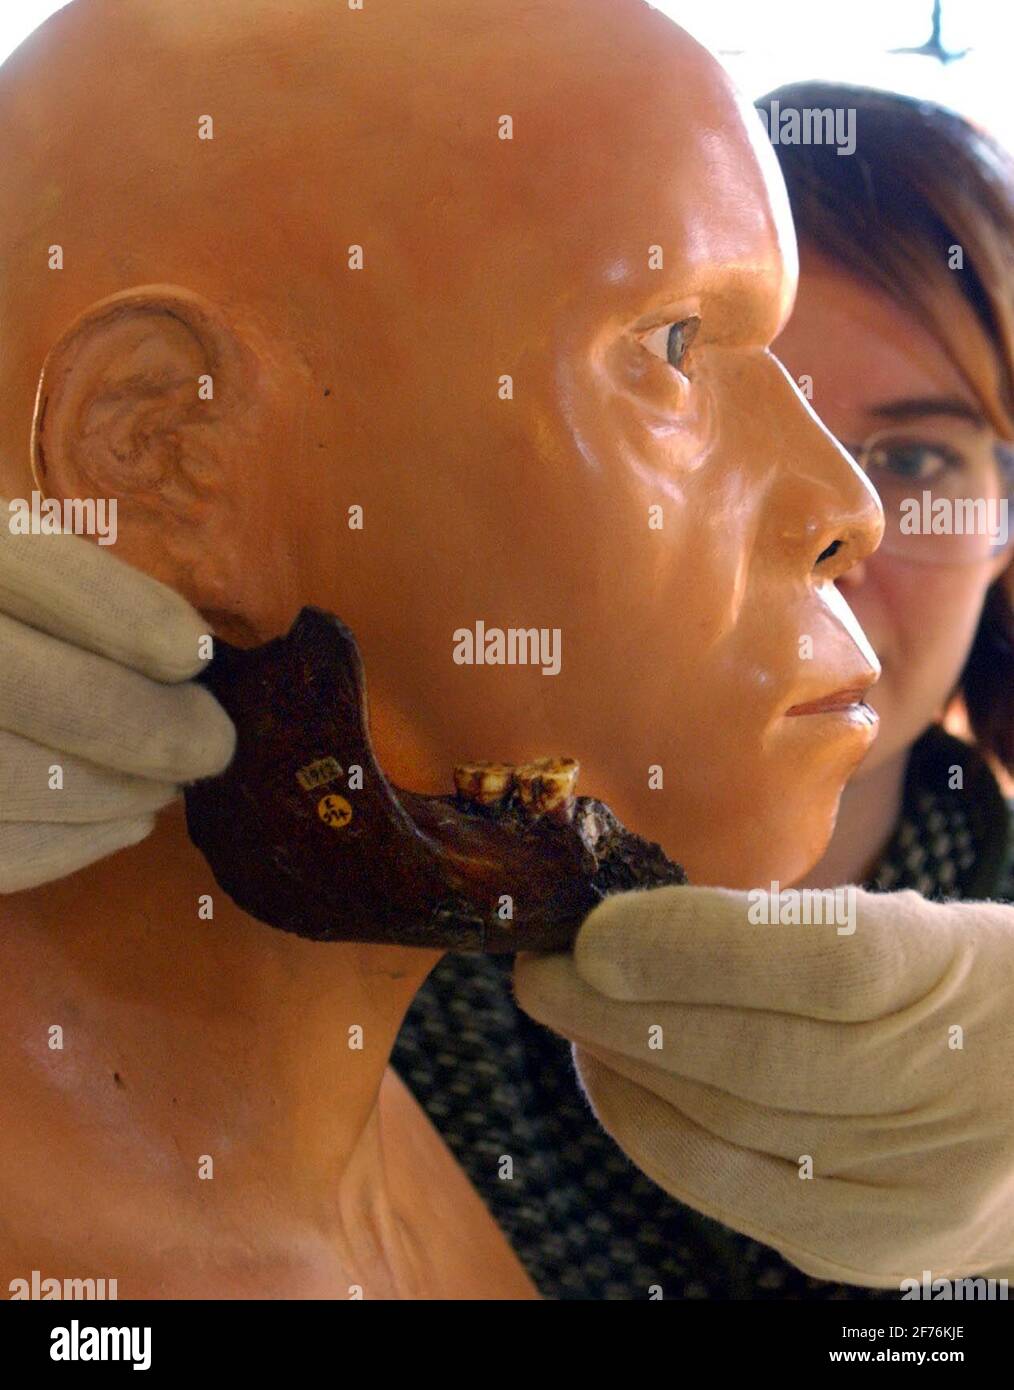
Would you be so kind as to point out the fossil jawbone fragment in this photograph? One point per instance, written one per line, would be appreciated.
(304, 831)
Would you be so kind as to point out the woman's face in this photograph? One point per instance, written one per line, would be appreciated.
(874, 366)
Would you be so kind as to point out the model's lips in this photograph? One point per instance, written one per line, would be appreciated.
(849, 699)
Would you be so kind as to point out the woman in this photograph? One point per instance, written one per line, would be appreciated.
(905, 328)
(926, 193)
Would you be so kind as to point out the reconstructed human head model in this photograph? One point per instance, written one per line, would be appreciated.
(485, 296)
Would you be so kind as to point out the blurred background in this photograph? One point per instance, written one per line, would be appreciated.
(957, 52)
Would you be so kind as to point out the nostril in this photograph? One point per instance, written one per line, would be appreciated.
(832, 549)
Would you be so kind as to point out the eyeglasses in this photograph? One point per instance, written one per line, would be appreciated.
(946, 489)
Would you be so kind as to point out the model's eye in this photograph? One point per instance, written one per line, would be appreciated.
(672, 341)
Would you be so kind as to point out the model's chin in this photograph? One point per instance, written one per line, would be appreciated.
(789, 854)
(779, 828)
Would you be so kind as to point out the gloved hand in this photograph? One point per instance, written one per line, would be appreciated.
(781, 1042)
(95, 660)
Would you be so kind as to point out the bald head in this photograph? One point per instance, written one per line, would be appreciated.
(323, 126)
(389, 311)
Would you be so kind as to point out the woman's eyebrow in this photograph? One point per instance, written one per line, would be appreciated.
(952, 407)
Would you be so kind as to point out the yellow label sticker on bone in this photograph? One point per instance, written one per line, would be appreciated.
(334, 811)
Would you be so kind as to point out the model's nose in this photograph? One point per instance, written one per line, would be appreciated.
(823, 508)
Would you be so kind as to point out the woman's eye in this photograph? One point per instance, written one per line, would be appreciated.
(912, 461)
(671, 342)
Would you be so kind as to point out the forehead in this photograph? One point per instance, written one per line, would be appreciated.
(576, 161)
(651, 147)
(861, 347)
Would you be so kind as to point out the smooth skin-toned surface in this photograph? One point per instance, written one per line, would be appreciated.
(381, 387)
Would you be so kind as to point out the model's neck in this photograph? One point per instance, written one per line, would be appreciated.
(185, 1037)
(867, 816)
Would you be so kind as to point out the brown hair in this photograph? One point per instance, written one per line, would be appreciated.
(923, 180)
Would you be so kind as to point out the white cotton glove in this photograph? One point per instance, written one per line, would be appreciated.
(781, 1042)
(95, 667)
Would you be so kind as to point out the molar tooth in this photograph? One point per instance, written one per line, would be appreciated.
(545, 787)
(484, 784)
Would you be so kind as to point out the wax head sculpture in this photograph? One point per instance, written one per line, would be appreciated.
(545, 380)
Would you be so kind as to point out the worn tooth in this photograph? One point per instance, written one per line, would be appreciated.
(545, 787)
(484, 784)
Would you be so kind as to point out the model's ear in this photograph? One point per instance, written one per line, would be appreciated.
(152, 399)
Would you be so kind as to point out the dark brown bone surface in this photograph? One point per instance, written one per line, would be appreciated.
(301, 841)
